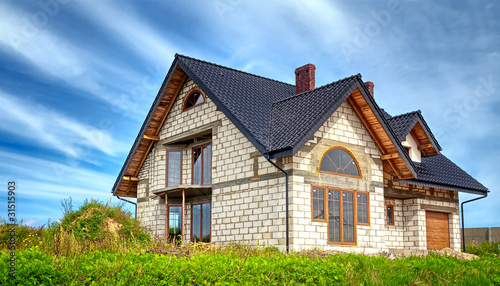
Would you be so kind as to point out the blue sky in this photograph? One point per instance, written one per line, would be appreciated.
(78, 77)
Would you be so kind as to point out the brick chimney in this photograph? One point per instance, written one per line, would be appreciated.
(369, 85)
(304, 78)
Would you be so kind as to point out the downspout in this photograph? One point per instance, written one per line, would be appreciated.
(135, 204)
(286, 201)
(463, 224)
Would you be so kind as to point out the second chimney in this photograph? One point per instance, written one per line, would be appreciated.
(304, 78)
(369, 85)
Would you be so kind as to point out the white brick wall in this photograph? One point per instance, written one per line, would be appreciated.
(252, 211)
(346, 129)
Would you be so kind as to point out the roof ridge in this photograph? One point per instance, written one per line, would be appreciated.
(232, 69)
(318, 88)
(407, 113)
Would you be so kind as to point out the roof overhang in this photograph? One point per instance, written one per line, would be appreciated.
(422, 134)
(442, 186)
(148, 134)
(395, 159)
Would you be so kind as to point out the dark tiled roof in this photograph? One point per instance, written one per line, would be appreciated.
(402, 125)
(439, 171)
(386, 115)
(274, 119)
(244, 98)
(296, 116)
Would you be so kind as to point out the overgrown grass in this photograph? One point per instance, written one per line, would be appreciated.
(242, 265)
(485, 249)
(67, 254)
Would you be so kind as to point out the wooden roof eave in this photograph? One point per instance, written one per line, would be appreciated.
(379, 129)
(427, 144)
(149, 132)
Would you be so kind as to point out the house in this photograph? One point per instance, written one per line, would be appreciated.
(223, 156)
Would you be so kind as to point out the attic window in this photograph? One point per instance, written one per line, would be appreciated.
(339, 160)
(194, 98)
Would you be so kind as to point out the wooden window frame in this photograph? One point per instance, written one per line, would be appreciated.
(201, 220)
(201, 155)
(325, 204)
(355, 219)
(340, 174)
(191, 92)
(166, 167)
(355, 210)
(168, 218)
(367, 207)
(387, 205)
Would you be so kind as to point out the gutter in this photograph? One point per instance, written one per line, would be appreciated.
(463, 224)
(286, 203)
(135, 204)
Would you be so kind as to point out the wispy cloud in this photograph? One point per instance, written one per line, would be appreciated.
(54, 56)
(46, 178)
(129, 28)
(54, 130)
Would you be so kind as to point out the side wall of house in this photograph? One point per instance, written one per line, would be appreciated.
(247, 201)
(409, 230)
(343, 128)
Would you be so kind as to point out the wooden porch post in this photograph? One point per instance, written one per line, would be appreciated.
(166, 217)
(182, 216)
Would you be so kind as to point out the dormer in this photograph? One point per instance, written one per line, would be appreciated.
(411, 147)
(414, 135)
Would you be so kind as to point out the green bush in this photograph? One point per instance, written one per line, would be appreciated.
(95, 220)
(484, 249)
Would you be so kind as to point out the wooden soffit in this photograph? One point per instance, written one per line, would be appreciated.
(423, 141)
(393, 162)
(128, 188)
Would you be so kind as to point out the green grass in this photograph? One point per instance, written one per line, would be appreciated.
(78, 252)
(244, 266)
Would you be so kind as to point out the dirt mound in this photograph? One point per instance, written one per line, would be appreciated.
(457, 254)
(112, 226)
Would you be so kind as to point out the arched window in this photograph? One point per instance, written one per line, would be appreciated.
(339, 160)
(194, 98)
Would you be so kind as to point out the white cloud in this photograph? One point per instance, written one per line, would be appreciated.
(54, 130)
(130, 28)
(31, 222)
(54, 56)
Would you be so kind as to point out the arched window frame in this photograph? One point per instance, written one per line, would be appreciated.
(350, 154)
(191, 92)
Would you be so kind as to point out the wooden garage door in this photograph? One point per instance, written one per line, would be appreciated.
(438, 233)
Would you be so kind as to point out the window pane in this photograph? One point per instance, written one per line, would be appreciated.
(207, 165)
(348, 216)
(318, 204)
(196, 213)
(206, 223)
(199, 99)
(174, 168)
(333, 216)
(362, 208)
(194, 99)
(339, 161)
(327, 165)
(390, 215)
(174, 222)
(351, 169)
(196, 166)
